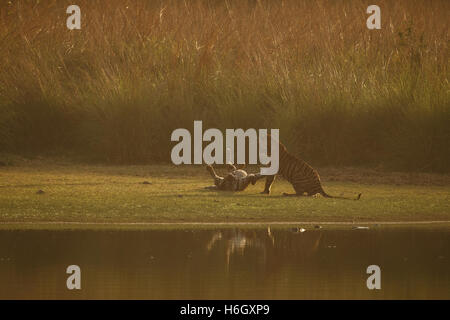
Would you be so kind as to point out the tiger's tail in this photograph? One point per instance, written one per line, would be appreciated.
(326, 195)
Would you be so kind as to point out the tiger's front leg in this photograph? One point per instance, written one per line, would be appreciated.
(268, 186)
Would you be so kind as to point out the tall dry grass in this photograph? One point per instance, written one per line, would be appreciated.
(341, 94)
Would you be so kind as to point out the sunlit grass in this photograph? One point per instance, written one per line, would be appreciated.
(117, 194)
(114, 91)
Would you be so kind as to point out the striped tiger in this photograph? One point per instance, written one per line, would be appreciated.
(235, 180)
(304, 178)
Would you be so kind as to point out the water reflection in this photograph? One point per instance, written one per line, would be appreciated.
(228, 263)
(236, 241)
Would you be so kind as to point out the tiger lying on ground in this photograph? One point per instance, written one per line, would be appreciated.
(235, 180)
(301, 175)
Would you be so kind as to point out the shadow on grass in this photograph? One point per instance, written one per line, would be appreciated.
(227, 194)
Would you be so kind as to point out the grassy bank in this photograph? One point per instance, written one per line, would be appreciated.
(114, 91)
(174, 194)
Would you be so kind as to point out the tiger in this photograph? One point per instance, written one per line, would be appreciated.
(304, 178)
(235, 180)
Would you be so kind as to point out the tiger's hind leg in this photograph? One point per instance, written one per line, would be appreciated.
(230, 167)
(211, 171)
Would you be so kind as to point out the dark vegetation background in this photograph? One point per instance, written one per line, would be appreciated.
(115, 90)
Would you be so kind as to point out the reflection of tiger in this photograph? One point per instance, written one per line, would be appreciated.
(301, 175)
(235, 180)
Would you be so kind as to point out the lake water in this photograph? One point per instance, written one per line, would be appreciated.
(226, 263)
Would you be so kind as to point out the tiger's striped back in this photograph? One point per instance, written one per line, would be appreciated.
(300, 174)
